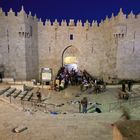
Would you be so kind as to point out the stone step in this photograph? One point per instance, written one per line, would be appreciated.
(22, 94)
(4, 90)
(10, 92)
(17, 92)
(28, 96)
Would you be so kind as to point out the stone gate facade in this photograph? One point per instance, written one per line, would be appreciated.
(109, 50)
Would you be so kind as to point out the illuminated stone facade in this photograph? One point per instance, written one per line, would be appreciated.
(109, 50)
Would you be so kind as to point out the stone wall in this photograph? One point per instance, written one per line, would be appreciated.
(109, 50)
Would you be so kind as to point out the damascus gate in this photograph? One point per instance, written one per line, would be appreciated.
(109, 49)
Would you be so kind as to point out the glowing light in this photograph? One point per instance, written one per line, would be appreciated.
(70, 60)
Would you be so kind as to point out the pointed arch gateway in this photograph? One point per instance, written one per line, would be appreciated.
(70, 56)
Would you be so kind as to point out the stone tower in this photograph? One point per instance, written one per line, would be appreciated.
(18, 45)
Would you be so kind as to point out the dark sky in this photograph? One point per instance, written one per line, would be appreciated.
(72, 9)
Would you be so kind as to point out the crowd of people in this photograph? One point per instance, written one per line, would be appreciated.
(66, 77)
(77, 77)
(124, 94)
(98, 85)
(129, 84)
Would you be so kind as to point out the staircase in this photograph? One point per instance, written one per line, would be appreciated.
(17, 97)
(26, 100)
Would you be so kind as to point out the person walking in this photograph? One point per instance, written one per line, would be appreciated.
(123, 86)
(39, 96)
(84, 103)
(79, 106)
(129, 86)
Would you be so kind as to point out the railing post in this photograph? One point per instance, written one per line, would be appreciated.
(109, 107)
(10, 99)
(130, 101)
(119, 104)
(22, 103)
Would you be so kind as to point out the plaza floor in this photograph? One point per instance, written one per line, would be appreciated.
(68, 124)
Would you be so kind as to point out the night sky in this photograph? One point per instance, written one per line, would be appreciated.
(72, 9)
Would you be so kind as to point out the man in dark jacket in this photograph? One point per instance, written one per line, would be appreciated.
(84, 103)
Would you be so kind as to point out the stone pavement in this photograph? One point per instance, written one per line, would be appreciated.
(55, 127)
(71, 126)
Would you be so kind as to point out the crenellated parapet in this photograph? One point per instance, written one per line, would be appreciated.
(47, 23)
(40, 23)
(79, 23)
(22, 13)
(2, 13)
(86, 25)
(11, 13)
(120, 17)
(94, 23)
(71, 23)
(107, 20)
(118, 24)
(63, 23)
(55, 24)
(131, 16)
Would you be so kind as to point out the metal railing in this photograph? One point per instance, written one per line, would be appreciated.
(36, 105)
(118, 104)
